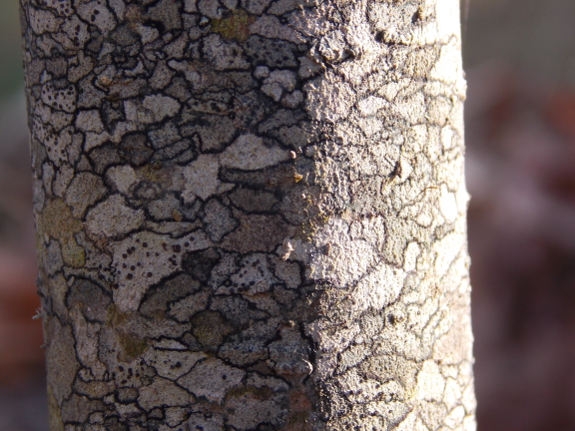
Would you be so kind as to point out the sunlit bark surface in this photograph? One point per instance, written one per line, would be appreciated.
(251, 214)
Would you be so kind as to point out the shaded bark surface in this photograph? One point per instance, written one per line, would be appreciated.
(251, 215)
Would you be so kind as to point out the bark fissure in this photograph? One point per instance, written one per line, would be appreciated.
(251, 214)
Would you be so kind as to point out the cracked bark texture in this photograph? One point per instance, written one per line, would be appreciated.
(251, 213)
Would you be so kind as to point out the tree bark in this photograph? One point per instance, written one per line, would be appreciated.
(251, 215)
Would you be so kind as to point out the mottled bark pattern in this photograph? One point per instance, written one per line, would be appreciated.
(250, 213)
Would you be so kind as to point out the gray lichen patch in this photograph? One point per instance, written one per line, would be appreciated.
(258, 404)
(247, 347)
(90, 298)
(159, 391)
(224, 55)
(151, 109)
(250, 153)
(271, 230)
(63, 99)
(123, 178)
(218, 220)
(144, 259)
(211, 379)
(201, 178)
(56, 142)
(162, 296)
(278, 82)
(113, 218)
(253, 200)
(183, 309)
(60, 358)
(97, 13)
(87, 340)
(84, 190)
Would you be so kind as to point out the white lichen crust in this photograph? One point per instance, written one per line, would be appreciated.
(251, 214)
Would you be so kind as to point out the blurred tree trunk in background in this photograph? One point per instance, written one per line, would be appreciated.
(251, 215)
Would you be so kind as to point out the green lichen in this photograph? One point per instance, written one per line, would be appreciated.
(210, 329)
(133, 346)
(54, 412)
(309, 228)
(73, 254)
(57, 222)
(153, 171)
(235, 26)
(115, 317)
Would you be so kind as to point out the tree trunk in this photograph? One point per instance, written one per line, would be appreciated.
(251, 215)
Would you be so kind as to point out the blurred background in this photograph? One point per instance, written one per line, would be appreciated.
(520, 119)
(22, 388)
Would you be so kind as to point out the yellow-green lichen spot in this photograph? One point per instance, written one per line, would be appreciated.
(234, 26)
